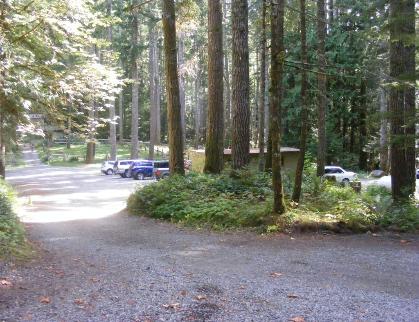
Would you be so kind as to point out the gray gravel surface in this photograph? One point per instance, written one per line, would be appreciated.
(103, 265)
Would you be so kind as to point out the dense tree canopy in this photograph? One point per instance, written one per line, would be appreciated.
(102, 64)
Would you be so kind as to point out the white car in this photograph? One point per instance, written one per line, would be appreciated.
(341, 175)
(107, 167)
(121, 167)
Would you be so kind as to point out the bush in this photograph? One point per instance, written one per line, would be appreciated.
(200, 200)
(12, 237)
(244, 199)
(73, 158)
(391, 215)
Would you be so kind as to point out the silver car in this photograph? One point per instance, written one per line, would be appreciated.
(341, 175)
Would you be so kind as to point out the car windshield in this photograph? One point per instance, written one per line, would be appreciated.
(332, 170)
(143, 164)
(161, 164)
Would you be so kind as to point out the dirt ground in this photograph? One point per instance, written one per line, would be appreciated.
(97, 263)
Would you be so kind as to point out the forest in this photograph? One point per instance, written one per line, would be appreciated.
(209, 160)
(334, 78)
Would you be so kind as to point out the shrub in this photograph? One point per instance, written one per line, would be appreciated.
(399, 216)
(201, 200)
(73, 158)
(244, 199)
(12, 237)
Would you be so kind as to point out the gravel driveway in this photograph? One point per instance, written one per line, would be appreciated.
(97, 263)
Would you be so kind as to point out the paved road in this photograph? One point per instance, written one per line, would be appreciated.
(97, 263)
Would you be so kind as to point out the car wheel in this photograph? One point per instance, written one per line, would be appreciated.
(140, 176)
(122, 175)
(109, 171)
(345, 182)
(135, 176)
(166, 175)
(127, 174)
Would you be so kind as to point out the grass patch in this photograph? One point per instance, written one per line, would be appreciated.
(245, 200)
(59, 155)
(13, 243)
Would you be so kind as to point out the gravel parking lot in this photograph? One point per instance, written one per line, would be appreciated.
(97, 263)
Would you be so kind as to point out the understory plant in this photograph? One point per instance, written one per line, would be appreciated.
(12, 235)
(244, 199)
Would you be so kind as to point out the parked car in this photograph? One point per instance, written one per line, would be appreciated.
(161, 169)
(341, 175)
(148, 169)
(107, 167)
(121, 167)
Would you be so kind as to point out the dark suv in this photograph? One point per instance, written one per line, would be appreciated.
(148, 168)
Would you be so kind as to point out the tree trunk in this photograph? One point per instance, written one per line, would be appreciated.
(181, 63)
(331, 15)
(121, 113)
(304, 107)
(402, 98)
(68, 143)
(240, 84)
(214, 148)
(353, 124)
(277, 65)
(135, 85)
(262, 90)
(321, 88)
(410, 99)
(363, 156)
(227, 92)
(90, 150)
(383, 131)
(2, 113)
(198, 103)
(112, 116)
(172, 88)
(154, 89)
(2, 142)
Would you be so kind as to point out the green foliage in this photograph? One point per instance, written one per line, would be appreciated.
(244, 199)
(59, 155)
(12, 237)
(393, 216)
(199, 200)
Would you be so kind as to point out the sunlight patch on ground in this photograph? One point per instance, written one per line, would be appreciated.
(64, 207)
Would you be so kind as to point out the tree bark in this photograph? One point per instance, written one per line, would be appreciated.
(172, 88)
(121, 112)
(227, 92)
(383, 131)
(240, 85)
(198, 103)
(304, 107)
(321, 87)
(181, 63)
(214, 148)
(90, 150)
(353, 124)
(331, 15)
(262, 90)
(112, 116)
(277, 66)
(135, 85)
(362, 162)
(402, 98)
(154, 90)
(2, 141)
